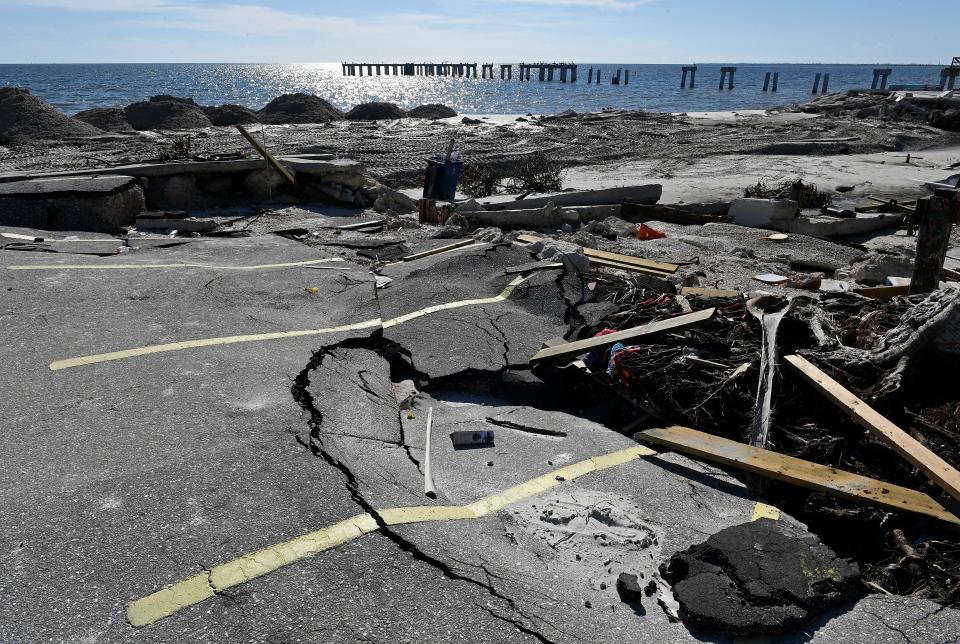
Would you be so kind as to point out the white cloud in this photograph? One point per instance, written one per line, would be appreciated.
(597, 4)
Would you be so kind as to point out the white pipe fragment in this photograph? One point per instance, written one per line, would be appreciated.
(428, 488)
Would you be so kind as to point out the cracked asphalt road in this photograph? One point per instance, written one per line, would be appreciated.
(120, 478)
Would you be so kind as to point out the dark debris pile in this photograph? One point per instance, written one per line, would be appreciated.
(707, 379)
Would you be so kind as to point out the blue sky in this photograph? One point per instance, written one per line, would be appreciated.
(627, 31)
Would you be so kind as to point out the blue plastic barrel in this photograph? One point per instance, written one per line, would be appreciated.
(441, 180)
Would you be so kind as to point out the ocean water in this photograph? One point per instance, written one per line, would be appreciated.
(73, 88)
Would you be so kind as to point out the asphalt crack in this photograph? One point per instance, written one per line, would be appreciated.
(301, 394)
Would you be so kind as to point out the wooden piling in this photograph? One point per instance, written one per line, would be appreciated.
(934, 216)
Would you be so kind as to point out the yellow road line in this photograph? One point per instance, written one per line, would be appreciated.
(206, 342)
(195, 589)
(259, 337)
(455, 305)
(258, 267)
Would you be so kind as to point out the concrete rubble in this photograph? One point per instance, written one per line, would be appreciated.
(273, 349)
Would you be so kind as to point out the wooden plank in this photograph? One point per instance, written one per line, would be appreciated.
(262, 151)
(694, 291)
(594, 253)
(646, 331)
(812, 476)
(437, 251)
(629, 259)
(883, 293)
(363, 224)
(606, 263)
(908, 447)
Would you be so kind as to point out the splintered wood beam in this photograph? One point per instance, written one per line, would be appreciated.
(593, 253)
(640, 333)
(262, 151)
(606, 263)
(937, 469)
(795, 471)
(437, 251)
(882, 293)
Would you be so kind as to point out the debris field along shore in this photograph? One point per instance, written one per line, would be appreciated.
(638, 376)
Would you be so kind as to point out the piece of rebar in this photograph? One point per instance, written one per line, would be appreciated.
(428, 488)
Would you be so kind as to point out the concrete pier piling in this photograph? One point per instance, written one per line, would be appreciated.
(775, 77)
(692, 70)
(546, 71)
(880, 77)
(725, 73)
(948, 77)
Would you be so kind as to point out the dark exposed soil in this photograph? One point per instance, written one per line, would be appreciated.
(225, 115)
(375, 112)
(166, 115)
(432, 111)
(26, 118)
(108, 119)
(300, 108)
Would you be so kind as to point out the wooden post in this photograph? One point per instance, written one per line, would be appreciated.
(262, 151)
(776, 80)
(766, 82)
(934, 215)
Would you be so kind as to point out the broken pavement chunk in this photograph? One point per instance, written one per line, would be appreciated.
(760, 212)
(759, 578)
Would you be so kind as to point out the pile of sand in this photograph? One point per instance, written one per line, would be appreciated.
(432, 111)
(166, 113)
(25, 118)
(376, 112)
(231, 115)
(108, 119)
(300, 108)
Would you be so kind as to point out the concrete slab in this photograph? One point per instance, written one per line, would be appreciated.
(817, 226)
(100, 204)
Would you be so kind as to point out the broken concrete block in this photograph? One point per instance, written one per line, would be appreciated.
(263, 184)
(876, 269)
(760, 212)
(760, 578)
(560, 251)
(389, 199)
(321, 168)
(104, 203)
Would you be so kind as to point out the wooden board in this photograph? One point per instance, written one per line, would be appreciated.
(262, 151)
(679, 323)
(883, 293)
(437, 251)
(694, 291)
(363, 224)
(939, 471)
(594, 253)
(795, 471)
(606, 263)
